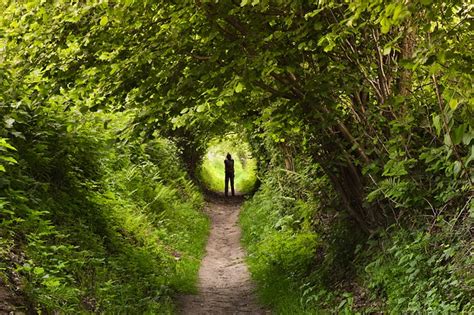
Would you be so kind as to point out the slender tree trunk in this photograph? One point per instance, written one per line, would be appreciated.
(406, 52)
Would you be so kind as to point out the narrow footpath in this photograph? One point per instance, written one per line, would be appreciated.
(224, 284)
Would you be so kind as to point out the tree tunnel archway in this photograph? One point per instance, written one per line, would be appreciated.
(357, 112)
(335, 90)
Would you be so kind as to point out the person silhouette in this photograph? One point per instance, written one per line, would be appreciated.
(229, 174)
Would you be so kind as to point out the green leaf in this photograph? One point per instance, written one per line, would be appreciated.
(394, 168)
(9, 122)
(447, 140)
(453, 103)
(38, 271)
(385, 24)
(239, 87)
(330, 46)
(201, 108)
(328, 42)
(104, 20)
(468, 136)
(471, 157)
(457, 167)
(8, 159)
(52, 282)
(2, 168)
(397, 11)
(5, 144)
(458, 133)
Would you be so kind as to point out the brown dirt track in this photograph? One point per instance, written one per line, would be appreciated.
(224, 283)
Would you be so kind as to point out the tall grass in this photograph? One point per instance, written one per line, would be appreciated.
(278, 253)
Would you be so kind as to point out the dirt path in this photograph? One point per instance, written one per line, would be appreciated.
(224, 281)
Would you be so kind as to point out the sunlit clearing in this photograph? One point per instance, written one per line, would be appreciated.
(212, 170)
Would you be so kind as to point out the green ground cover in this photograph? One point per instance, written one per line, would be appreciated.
(112, 228)
(306, 259)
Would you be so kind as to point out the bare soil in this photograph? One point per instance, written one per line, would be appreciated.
(12, 301)
(224, 285)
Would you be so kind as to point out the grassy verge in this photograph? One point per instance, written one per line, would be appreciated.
(89, 227)
(302, 266)
(278, 254)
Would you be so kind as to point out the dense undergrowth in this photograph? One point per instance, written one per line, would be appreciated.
(91, 223)
(308, 258)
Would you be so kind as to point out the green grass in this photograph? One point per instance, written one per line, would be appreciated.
(275, 256)
(121, 231)
(283, 296)
(187, 235)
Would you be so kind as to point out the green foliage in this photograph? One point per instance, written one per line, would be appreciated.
(359, 115)
(277, 254)
(307, 258)
(280, 240)
(423, 271)
(4, 147)
(99, 225)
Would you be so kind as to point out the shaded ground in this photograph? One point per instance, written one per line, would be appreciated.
(224, 281)
(11, 302)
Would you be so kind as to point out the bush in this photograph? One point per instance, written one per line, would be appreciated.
(422, 271)
(306, 257)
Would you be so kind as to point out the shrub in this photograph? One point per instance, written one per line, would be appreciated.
(422, 271)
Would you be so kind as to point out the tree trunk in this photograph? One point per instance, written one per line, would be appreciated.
(406, 52)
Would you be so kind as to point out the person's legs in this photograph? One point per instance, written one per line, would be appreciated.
(226, 184)
(232, 184)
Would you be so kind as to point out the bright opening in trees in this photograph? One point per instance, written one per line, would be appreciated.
(212, 168)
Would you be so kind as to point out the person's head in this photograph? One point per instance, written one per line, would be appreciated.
(229, 157)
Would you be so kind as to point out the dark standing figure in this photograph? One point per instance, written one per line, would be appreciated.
(229, 174)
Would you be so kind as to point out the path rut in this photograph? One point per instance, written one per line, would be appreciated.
(224, 285)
